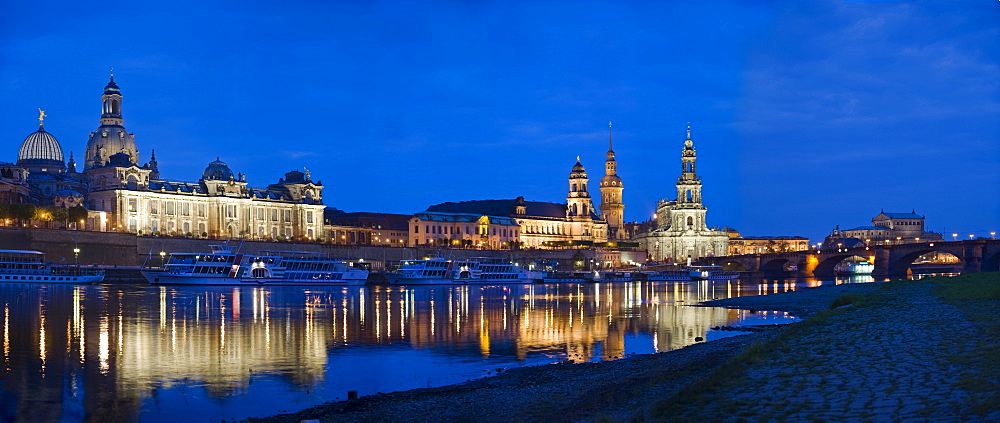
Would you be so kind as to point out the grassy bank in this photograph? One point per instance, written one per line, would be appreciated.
(805, 358)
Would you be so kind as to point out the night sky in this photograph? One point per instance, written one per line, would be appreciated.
(805, 115)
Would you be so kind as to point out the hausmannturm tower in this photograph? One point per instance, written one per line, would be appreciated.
(612, 207)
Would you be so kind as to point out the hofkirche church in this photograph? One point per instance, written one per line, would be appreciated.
(124, 194)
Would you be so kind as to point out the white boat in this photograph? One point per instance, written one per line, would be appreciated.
(669, 276)
(23, 266)
(223, 266)
(711, 273)
(571, 277)
(854, 268)
(478, 270)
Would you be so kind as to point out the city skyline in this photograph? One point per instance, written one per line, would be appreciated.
(397, 107)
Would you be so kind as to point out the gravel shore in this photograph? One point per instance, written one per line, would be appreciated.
(884, 363)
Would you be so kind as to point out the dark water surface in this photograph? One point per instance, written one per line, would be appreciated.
(130, 352)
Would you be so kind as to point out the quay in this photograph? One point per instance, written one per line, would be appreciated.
(898, 351)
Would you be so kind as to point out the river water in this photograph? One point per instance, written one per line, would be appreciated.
(127, 352)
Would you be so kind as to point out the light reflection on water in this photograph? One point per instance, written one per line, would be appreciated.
(155, 353)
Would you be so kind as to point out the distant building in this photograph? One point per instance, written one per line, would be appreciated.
(543, 224)
(681, 231)
(886, 228)
(739, 245)
(364, 228)
(464, 230)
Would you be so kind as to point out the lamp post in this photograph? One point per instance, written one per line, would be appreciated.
(993, 234)
(76, 255)
(970, 237)
(954, 237)
(163, 255)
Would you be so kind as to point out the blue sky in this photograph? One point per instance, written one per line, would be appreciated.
(806, 115)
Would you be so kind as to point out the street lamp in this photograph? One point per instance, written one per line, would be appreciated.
(993, 234)
(163, 255)
(970, 237)
(76, 255)
(954, 237)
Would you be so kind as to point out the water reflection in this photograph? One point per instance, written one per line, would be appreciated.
(115, 353)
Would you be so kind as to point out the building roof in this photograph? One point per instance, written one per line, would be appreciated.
(911, 215)
(502, 208)
(869, 228)
(464, 217)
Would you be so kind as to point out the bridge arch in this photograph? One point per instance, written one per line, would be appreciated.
(828, 263)
(900, 264)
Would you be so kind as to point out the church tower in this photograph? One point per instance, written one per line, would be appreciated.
(110, 138)
(612, 207)
(578, 203)
(689, 213)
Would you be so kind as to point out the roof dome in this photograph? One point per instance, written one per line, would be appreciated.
(578, 171)
(217, 171)
(112, 87)
(40, 148)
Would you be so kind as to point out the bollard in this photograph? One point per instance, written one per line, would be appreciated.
(352, 395)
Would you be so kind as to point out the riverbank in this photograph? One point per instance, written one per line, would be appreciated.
(660, 385)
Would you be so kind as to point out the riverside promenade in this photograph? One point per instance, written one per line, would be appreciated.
(898, 351)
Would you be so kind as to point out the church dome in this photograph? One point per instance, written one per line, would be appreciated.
(217, 171)
(40, 148)
(112, 87)
(578, 171)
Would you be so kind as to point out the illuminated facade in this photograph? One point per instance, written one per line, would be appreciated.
(681, 231)
(886, 228)
(612, 206)
(463, 230)
(739, 244)
(221, 203)
(542, 224)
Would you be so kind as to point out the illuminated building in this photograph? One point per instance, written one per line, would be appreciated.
(886, 228)
(542, 224)
(739, 244)
(463, 230)
(364, 228)
(221, 203)
(612, 207)
(45, 173)
(681, 232)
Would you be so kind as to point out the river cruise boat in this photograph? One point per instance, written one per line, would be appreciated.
(23, 266)
(223, 266)
(711, 273)
(669, 276)
(854, 268)
(571, 277)
(620, 277)
(478, 270)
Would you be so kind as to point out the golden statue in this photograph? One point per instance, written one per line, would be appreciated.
(41, 116)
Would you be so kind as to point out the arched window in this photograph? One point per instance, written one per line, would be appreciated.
(132, 183)
(573, 187)
(690, 197)
(116, 107)
(690, 220)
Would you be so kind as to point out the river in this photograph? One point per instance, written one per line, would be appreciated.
(126, 352)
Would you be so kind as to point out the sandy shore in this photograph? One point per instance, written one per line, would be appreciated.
(618, 390)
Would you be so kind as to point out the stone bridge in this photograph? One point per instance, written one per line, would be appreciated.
(981, 255)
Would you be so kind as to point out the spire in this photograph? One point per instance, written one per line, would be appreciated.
(72, 164)
(610, 137)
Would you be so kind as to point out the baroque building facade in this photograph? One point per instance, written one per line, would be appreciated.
(124, 195)
(886, 228)
(680, 231)
(544, 224)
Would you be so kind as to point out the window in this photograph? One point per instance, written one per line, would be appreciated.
(185, 209)
(287, 214)
(274, 216)
(309, 219)
(154, 207)
(168, 207)
(201, 211)
(133, 205)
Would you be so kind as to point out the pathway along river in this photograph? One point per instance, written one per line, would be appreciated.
(124, 352)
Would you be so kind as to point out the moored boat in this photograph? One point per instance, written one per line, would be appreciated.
(712, 273)
(669, 276)
(24, 266)
(854, 268)
(477, 270)
(223, 266)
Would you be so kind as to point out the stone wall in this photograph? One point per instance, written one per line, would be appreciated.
(123, 249)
